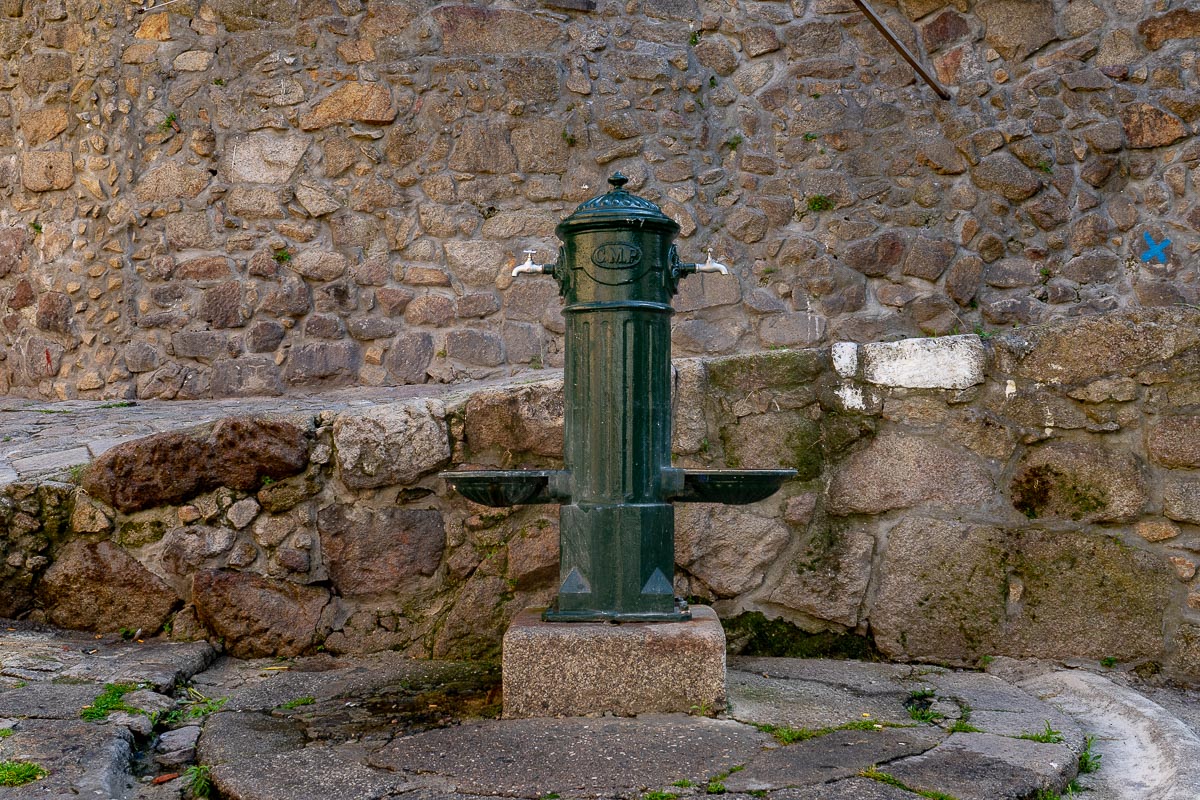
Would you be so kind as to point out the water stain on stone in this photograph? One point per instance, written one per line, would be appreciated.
(465, 692)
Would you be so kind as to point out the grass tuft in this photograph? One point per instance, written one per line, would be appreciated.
(876, 774)
(195, 707)
(198, 780)
(307, 700)
(1048, 736)
(927, 715)
(788, 735)
(109, 701)
(19, 773)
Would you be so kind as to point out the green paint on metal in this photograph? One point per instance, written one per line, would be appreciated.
(617, 271)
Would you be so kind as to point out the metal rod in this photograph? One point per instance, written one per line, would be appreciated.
(157, 7)
(902, 50)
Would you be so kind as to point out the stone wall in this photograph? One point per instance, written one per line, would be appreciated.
(1030, 494)
(235, 197)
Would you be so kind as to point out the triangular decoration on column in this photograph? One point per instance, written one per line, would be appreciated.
(658, 584)
(575, 583)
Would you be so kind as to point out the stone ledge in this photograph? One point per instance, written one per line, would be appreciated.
(581, 668)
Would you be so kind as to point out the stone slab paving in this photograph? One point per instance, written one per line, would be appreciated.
(383, 726)
(81, 758)
(986, 766)
(605, 756)
(835, 756)
(818, 693)
(1147, 736)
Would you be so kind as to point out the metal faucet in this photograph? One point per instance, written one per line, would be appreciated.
(527, 267)
(530, 268)
(712, 266)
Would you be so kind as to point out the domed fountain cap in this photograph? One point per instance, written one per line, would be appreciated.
(617, 208)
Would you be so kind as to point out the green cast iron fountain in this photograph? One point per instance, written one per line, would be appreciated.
(617, 270)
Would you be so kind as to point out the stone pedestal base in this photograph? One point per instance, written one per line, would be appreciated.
(570, 669)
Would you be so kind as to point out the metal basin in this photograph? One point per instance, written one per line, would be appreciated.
(501, 488)
(731, 486)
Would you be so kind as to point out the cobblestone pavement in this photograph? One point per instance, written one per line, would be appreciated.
(384, 726)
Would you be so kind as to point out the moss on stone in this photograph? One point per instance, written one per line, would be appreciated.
(805, 451)
(774, 439)
(1044, 489)
(56, 502)
(777, 368)
(752, 634)
(137, 532)
(839, 431)
(732, 461)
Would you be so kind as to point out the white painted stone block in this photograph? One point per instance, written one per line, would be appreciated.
(947, 362)
(845, 358)
(851, 396)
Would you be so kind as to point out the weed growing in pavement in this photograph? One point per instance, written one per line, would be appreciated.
(197, 779)
(918, 706)
(1048, 736)
(1072, 791)
(19, 773)
(195, 706)
(109, 701)
(876, 774)
(307, 700)
(927, 715)
(962, 726)
(1089, 759)
(788, 735)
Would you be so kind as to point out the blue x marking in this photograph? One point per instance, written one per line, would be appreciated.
(1157, 249)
